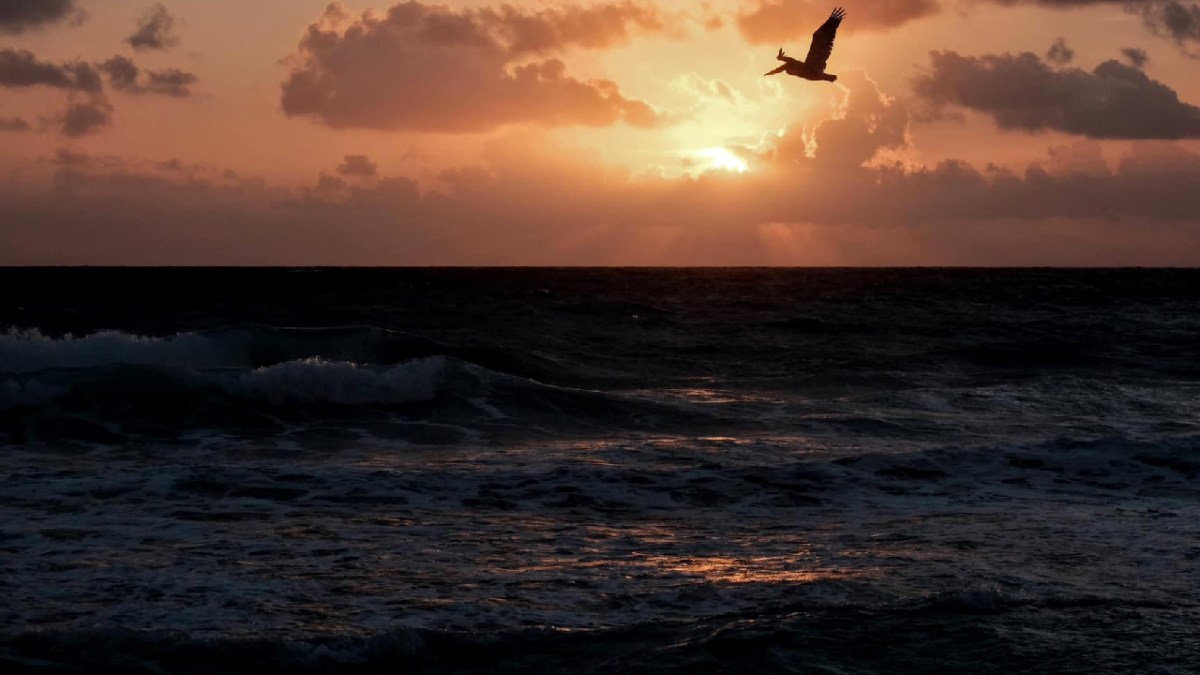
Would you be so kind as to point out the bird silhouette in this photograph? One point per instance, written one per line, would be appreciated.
(813, 65)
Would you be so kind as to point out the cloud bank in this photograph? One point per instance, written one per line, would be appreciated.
(821, 193)
(1021, 92)
(433, 68)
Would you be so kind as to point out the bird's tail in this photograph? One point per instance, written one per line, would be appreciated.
(831, 78)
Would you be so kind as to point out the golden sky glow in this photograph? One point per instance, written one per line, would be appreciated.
(618, 132)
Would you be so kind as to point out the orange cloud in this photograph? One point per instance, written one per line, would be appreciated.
(433, 68)
(778, 21)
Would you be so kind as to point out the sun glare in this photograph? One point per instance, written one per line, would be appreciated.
(724, 160)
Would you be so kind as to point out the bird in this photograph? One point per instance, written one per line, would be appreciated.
(813, 66)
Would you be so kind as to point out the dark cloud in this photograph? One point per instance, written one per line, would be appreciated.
(1177, 20)
(17, 16)
(1138, 58)
(122, 73)
(433, 68)
(87, 109)
(124, 76)
(170, 82)
(1059, 53)
(1022, 93)
(357, 165)
(14, 124)
(85, 117)
(779, 21)
(154, 30)
(20, 68)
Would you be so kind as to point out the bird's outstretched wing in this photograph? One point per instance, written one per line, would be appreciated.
(822, 40)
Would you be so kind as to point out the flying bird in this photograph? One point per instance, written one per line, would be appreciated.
(813, 66)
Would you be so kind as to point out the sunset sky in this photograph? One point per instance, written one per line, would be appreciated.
(626, 132)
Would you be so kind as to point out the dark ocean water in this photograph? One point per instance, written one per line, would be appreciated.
(617, 471)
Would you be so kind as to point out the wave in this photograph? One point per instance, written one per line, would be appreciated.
(307, 381)
(26, 351)
(99, 387)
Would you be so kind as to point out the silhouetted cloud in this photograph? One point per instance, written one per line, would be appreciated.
(1137, 58)
(85, 117)
(20, 68)
(14, 124)
(357, 165)
(123, 75)
(778, 21)
(433, 68)
(1022, 93)
(170, 82)
(1178, 20)
(17, 16)
(1059, 53)
(154, 30)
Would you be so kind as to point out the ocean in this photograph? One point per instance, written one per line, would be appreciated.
(599, 470)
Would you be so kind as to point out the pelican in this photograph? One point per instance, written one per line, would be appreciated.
(813, 66)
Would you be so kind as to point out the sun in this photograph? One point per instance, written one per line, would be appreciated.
(723, 160)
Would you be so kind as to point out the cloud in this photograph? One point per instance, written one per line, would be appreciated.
(779, 21)
(1138, 58)
(1177, 20)
(170, 82)
(553, 29)
(20, 68)
(17, 16)
(123, 75)
(83, 118)
(1022, 93)
(1059, 53)
(14, 124)
(87, 109)
(154, 30)
(433, 68)
(357, 165)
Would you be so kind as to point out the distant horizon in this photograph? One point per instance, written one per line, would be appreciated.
(1015, 268)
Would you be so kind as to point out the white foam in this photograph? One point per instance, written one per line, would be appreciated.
(316, 380)
(27, 351)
